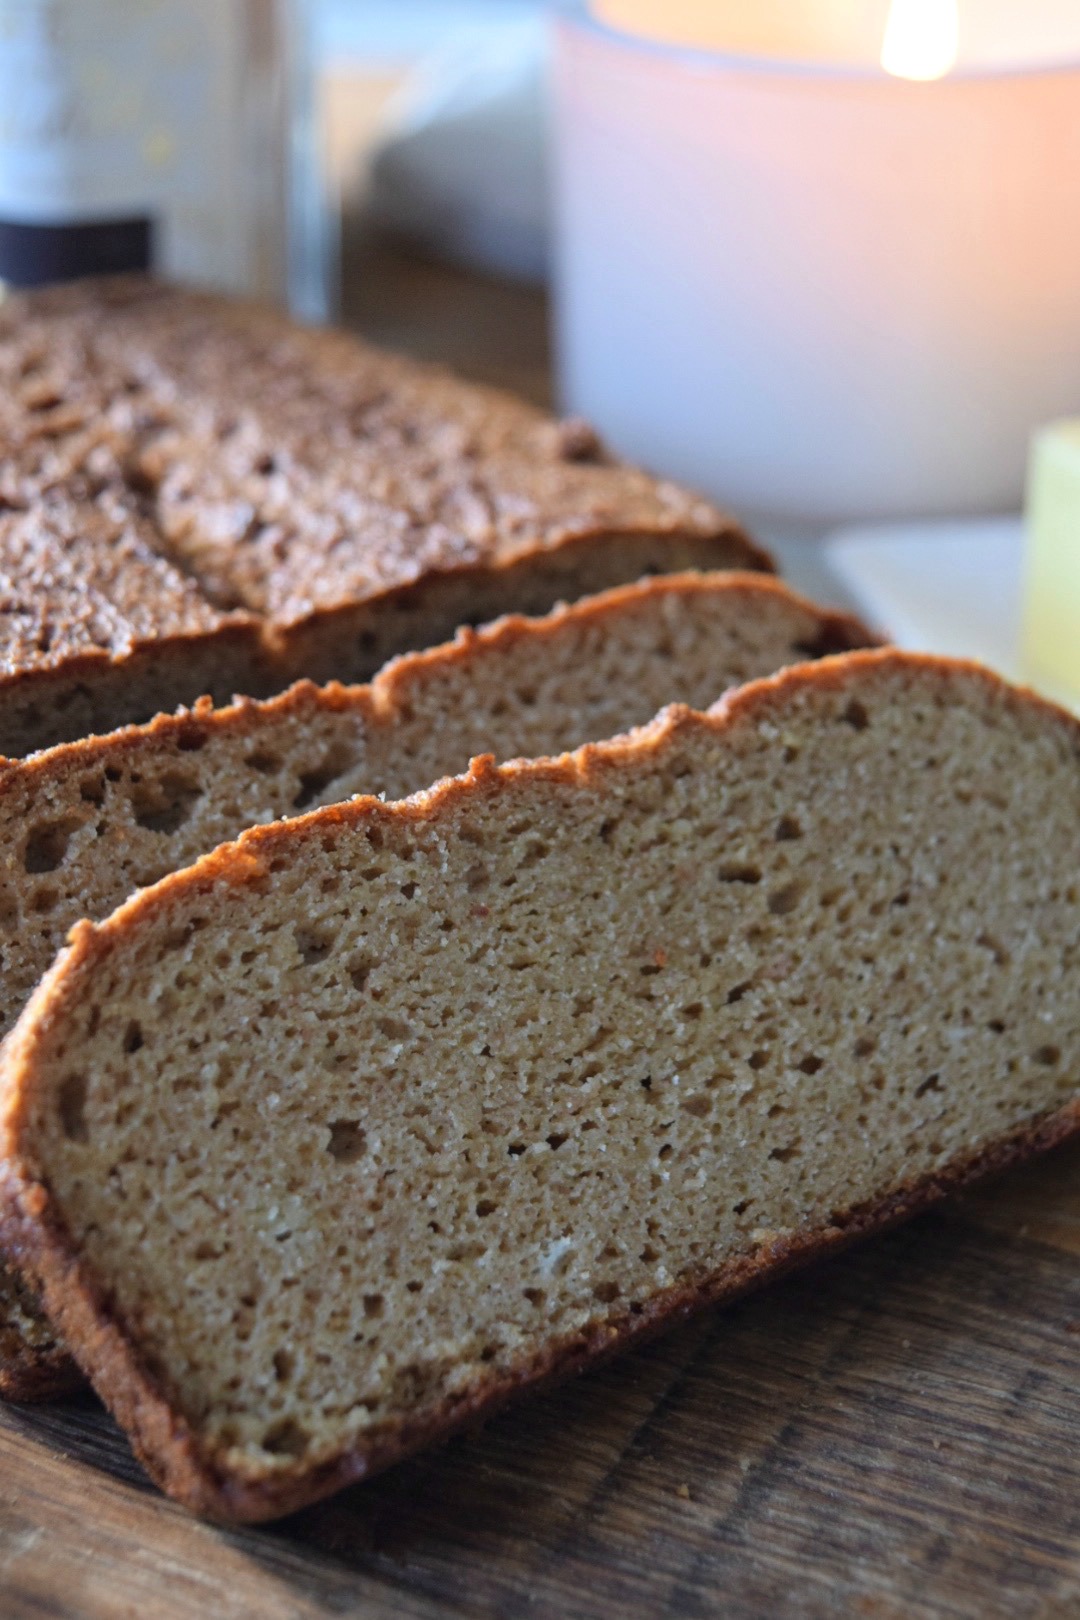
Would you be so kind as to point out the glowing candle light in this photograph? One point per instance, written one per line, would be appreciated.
(922, 39)
(790, 276)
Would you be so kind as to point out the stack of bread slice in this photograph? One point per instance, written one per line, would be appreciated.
(85, 824)
(467, 1026)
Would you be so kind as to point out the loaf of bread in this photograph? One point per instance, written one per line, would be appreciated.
(83, 825)
(342, 1136)
(197, 496)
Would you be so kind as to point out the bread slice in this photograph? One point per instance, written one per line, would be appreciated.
(83, 825)
(198, 496)
(366, 1122)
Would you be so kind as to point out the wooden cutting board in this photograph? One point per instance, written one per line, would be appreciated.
(895, 1433)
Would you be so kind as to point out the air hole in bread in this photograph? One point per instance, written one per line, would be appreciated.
(1049, 1056)
(395, 1029)
(739, 872)
(784, 901)
(313, 944)
(787, 829)
(133, 1037)
(359, 971)
(286, 1439)
(318, 779)
(998, 951)
(855, 715)
(165, 804)
(348, 1142)
(266, 763)
(71, 1102)
(784, 1155)
(47, 844)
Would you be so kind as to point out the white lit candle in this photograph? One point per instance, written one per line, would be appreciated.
(793, 276)
(921, 39)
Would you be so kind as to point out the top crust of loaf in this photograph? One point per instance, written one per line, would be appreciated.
(199, 497)
(289, 470)
(173, 1448)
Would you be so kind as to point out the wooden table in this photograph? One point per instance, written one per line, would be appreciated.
(895, 1433)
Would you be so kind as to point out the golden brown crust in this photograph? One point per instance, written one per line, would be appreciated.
(834, 632)
(35, 1234)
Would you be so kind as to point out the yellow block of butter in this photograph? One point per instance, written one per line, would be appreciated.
(1050, 644)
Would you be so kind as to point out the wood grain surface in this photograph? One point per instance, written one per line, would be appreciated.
(895, 1433)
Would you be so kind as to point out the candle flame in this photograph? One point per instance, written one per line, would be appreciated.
(922, 38)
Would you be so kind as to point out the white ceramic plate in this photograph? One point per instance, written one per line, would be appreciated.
(938, 587)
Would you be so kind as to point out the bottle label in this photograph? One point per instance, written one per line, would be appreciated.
(122, 139)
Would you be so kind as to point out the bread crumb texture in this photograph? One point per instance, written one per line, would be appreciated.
(384, 1105)
(82, 826)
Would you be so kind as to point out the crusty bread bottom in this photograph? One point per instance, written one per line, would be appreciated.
(329, 1143)
(84, 825)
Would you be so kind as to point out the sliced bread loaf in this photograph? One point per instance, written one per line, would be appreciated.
(197, 496)
(83, 825)
(337, 1139)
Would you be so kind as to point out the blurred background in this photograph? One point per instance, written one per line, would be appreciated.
(443, 253)
(816, 258)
